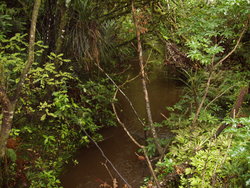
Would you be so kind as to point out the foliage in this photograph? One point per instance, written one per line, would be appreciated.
(209, 162)
(59, 110)
(9, 20)
(194, 155)
(50, 103)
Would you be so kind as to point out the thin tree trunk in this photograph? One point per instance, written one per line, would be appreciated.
(31, 53)
(63, 22)
(203, 99)
(144, 85)
(8, 104)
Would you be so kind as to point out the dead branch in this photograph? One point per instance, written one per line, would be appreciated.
(218, 96)
(120, 90)
(122, 124)
(106, 167)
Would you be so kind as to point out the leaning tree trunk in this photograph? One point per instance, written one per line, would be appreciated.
(237, 105)
(144, 84)
(8, 104)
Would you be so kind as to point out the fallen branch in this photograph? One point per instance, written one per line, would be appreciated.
(120, 90)
(110, 174)
(123, 126)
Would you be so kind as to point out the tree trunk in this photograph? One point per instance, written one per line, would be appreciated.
(7, 112)
(144, 85)
(63, 22)
(8, 105)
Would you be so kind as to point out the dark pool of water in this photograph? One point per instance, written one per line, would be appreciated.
(90, 172)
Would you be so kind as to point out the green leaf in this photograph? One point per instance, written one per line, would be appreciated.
(43, 117)
(11, 154)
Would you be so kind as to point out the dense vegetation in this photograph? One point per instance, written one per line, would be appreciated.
(60, 60)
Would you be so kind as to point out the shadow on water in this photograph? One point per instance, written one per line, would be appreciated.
(90, 172)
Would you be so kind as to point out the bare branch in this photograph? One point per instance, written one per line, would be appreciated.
(120, 90)
(218, 96)
(206, 91)
(123, 126)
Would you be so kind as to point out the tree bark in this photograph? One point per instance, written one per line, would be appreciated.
(144, 84)
(7, 112)
(8, 104)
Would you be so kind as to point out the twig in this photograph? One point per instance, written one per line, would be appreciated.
(104, 164)
(119, 73)
(130, 80)
(218, 96)
(164, 116)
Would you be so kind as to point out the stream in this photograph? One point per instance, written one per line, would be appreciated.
(120, 150)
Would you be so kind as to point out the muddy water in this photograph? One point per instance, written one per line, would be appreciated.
(91, 171)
